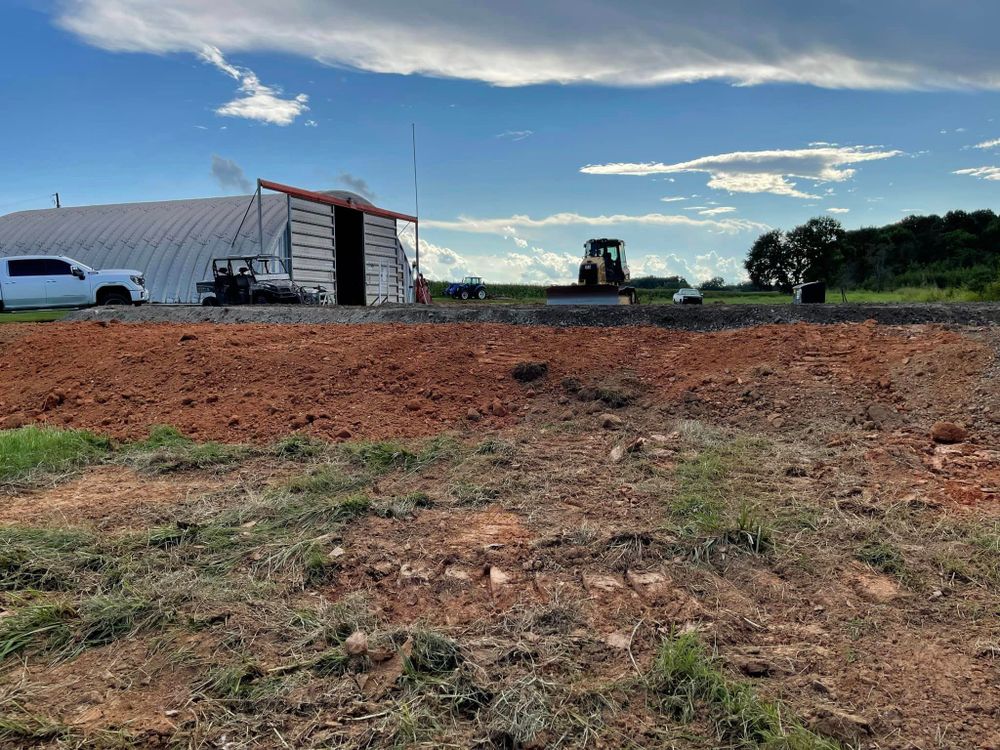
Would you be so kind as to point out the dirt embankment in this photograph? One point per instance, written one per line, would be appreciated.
(712, 317)
(256, 382)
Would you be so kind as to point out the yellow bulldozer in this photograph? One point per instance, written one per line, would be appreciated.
(603, 278)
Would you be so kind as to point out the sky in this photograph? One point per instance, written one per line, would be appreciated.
(685, 129)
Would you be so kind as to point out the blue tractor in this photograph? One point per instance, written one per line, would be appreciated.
(471, 287)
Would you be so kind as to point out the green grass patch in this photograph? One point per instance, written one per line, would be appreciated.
(167, 451)
(385, 456)
(46, 449)
(42, 559)
(33, 316)
(718, 495)
(883, 557)
(691, 683)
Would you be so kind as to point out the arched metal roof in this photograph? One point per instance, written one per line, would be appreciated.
(171, 242)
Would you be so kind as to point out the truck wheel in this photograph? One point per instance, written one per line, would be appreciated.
(481, 294)
(116, 298)
(262, 300)
(210, 302)
(464, 294)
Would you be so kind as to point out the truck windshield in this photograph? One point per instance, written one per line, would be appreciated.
(269, 266)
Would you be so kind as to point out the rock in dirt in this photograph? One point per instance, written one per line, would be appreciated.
(611, 421)
(356, 644)
(618, 640)
(413, 405)
(497, 409)
(473, 415)
(498, 578)
(883, 416)
(188, 337)
(620, 451)
(948, 432)
(841, 725)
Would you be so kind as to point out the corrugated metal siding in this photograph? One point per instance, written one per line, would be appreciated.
(313, 240)
(171, 242)
(385, 280)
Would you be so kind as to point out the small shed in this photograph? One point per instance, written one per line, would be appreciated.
(811, 292)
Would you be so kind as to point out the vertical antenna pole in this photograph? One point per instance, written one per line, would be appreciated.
(416, 197)
(58, 204)
(260, 221)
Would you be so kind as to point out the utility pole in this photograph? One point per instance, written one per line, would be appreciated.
(58, 204)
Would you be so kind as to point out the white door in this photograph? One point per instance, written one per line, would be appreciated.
(24, 284)
(62, 288)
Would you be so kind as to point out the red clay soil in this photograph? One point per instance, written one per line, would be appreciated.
(256, 382)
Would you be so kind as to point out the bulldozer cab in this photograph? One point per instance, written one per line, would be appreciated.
(610, 261)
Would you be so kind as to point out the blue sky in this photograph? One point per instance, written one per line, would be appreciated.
(539, 124)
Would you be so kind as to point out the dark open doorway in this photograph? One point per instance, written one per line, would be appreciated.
(350, 229)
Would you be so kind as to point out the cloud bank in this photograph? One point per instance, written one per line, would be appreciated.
(761, 171)
(933, 45)
(506, 225)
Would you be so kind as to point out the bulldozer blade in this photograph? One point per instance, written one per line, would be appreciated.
(589, 294)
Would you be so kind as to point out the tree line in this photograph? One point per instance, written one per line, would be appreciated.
(959, 249)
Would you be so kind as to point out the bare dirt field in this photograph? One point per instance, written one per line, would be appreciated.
(405, 535)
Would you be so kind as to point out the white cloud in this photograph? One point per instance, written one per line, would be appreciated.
(502, 226)
(932, 45)
(674, 199)
(761, 171)
(988, 144)
(983, 173)
(704, 266)
(717, 211)
(838, 210)
(311, 124)
(258, 101)
(516, 135)
(535, 266)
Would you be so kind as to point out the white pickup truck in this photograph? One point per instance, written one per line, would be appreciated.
(31, 282)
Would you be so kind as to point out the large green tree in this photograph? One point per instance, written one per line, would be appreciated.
(810, 252)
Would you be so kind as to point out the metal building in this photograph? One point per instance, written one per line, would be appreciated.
(335, 239)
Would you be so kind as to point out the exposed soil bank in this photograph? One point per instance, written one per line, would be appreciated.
(689, 317)
(257, 382)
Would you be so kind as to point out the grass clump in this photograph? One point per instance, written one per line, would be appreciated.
(36, 626)
(168, 451)
(45, 559)
(687, 679)
(106, 618)
(883, 557)
(432, 654)
(323, 480)
(382, 457)
(717, 494)
(46, 449)
(298, 447)
(29, 729)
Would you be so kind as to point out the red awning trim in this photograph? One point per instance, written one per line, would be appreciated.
(329, 200)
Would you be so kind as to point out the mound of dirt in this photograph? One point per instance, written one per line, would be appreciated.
(255, 382)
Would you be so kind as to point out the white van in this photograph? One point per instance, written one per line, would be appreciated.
(32, 282)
